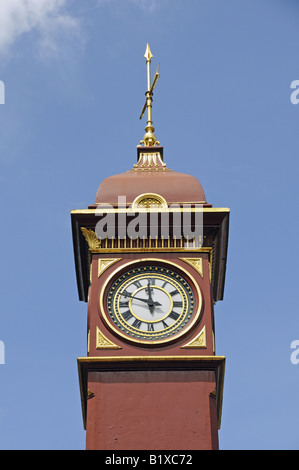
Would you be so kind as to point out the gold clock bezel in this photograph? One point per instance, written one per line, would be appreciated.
(173, 337)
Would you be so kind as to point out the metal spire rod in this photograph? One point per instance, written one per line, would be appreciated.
(149, 138)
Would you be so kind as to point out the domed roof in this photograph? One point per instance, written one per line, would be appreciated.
(150, 176)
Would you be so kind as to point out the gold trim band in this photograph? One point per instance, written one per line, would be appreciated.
(157, 209)
(94, 359)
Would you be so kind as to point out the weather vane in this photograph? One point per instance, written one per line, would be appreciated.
(149, 138)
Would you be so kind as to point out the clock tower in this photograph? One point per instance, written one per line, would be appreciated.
(150, 257)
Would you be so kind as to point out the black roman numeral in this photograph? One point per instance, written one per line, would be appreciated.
(178, 304)
(137, 284)
(136, 323)
(174, 315)
(127, 315)
(150, 327)
(124, 304)
(174, 292)
(125, 293)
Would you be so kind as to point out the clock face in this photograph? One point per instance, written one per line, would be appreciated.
(151, 304)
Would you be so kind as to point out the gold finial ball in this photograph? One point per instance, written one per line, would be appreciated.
(149, 138)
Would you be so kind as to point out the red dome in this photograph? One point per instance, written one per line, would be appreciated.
(151, 176)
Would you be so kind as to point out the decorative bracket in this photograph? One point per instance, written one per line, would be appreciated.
(90, 236)
(102, 342)
(105, 263)
(199, 341)
(196, 263)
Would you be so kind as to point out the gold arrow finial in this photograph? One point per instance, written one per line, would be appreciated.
(148, 54)
(149, 138)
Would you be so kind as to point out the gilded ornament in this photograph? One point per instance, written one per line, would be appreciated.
(196, 263)
(148, 201)
(150, 161)
(104, 263)
(93, 242)
(199, 341)
(102, 342)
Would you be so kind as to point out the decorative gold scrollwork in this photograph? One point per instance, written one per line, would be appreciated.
(91, 238)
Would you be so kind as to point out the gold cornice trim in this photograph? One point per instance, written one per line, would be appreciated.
(150, 250)
(128, 205)
(158, 209)
(102, 342)
(199, 342)
(97, 245)
(148, 244)
(149, 358)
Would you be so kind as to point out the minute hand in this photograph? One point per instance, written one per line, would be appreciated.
(147, 301)
(151, 303)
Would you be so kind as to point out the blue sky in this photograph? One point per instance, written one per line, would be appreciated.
(74, 76)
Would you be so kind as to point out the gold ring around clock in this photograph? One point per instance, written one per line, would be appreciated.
(190, 314)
